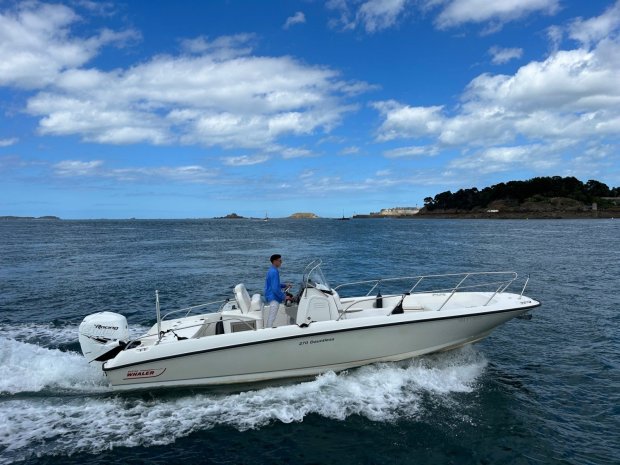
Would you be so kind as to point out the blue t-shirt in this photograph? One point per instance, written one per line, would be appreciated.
(273, 288)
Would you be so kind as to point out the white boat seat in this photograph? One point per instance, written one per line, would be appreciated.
(256, 304)
(243, 298)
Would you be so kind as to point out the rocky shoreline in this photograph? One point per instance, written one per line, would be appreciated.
(556, 215)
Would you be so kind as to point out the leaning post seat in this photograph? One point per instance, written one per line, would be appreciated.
(256, 304)
(243, 298)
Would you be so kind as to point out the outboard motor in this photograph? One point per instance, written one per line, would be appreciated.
(103, 335)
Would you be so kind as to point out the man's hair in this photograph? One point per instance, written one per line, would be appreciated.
(275, 257)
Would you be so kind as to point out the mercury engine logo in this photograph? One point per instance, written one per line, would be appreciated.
(115, 328)
(146, 373)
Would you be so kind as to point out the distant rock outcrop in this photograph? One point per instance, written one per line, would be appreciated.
(230, 216)
(302, 215)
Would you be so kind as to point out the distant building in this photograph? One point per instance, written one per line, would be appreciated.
(492, 211)
(399, 211)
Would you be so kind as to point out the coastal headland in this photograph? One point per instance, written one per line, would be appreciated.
(538, 198)
(543, 198)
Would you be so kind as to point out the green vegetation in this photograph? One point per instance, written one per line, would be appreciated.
(514, 193)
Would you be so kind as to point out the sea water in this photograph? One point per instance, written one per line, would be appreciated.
(545, 390)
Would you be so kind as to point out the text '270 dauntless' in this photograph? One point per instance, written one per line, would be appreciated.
(321, 330)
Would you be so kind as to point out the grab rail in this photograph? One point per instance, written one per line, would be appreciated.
(420, 278)
(525, 285)
(188, 310)
(224, 318)
(346, 309)
(193, 307)
(502, 285)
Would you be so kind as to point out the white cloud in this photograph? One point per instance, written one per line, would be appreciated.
(36, 44)
(554, 34)
(96, 119)
(296, 153)
(352, 150)
(8, 142)
(413, 151)
(346, 17)
(70, 168)
(504, 55)
(297, 18)
(220, 95)
(526, 119)
(325, 184)
(373, 15)
(406, 121)
(498, 159)
(377, 15)
(100, 7)
(223, 47)
(182, 174)
(571, 94)
(245, 160)
(380, 14)
(598, 28)
(11, 163)
(96, 169)
(457, 12)
(306, 174)
(579, 80)
(216, 94)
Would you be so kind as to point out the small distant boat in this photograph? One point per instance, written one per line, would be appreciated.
(318, 332)
(266, 217)
(344, 218)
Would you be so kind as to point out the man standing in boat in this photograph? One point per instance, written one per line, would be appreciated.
(274, 293)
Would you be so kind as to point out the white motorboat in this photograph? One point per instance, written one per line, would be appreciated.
(226, 342)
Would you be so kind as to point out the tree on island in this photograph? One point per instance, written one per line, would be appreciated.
(517, 192)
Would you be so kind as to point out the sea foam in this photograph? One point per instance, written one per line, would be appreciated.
(70, 424)
(28, 367)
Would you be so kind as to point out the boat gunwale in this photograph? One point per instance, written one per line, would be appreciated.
(326, 332)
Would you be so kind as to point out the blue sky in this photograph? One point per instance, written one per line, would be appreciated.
(154, 109)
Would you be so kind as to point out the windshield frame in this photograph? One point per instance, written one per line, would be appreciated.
(313, 276)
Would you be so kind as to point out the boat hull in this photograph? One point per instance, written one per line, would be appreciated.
(292, 351)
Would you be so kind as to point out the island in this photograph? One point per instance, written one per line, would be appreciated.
(302, 215)
(230, 216)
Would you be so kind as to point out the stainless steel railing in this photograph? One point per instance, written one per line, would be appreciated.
(190, 309)
(187, 311)
(497, 286)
